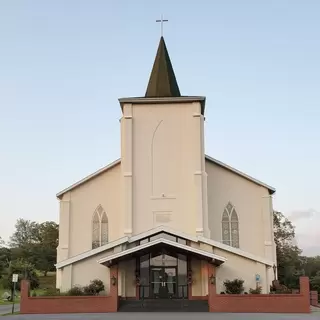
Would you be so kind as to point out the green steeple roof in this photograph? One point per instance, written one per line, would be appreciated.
(162, 82)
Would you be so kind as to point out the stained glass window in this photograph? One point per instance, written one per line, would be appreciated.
(234, 229)
(225, 227)
(104, 229)
(230, 226)
(99, 228)
(95, 231)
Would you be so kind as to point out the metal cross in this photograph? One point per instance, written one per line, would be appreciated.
(162, 21)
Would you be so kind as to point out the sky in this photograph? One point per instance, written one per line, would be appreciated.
(64, 64)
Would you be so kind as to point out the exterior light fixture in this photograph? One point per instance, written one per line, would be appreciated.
(212, 279)
(113, 280)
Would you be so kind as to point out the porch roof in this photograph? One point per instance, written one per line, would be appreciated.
(161, 243)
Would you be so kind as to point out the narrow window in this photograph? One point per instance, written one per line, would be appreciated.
(99, 228)
(230, 226)
(225, 227)
(234, 229)
(95, 231)
(104, 229)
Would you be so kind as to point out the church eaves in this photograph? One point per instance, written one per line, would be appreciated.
(162, 82)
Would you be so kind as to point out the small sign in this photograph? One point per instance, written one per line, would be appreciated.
(257, 277)
(15, 277)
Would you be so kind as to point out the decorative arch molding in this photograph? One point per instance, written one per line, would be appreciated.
(153, 157)
(100, 230)
(230, 226)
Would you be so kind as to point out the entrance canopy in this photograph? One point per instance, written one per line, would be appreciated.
(161, 244)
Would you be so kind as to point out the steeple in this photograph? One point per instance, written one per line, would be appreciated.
(162, 82)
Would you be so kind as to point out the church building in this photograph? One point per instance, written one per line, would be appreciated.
(169, 217)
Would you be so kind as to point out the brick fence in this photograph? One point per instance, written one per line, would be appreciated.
(261, 303)
(314, 299)
(69, 304)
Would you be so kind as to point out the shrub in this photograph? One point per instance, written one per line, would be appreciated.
(257, 290)
(75, 291)
(51, 292)
(34, 294)
(234, 286)
(94, 288)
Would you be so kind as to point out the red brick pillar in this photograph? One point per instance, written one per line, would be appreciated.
(114, 287)
(212, 291)
(305, 291)
(314, 298)
(24, 296)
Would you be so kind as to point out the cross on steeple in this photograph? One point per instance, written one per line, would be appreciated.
(161, 22)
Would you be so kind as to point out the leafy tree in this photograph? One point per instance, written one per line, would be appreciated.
(5, 257)
(25, 233)
(315, 282)
(35, 243)
(25, 270)
(45, 250)
(291, 264)
(289, 260)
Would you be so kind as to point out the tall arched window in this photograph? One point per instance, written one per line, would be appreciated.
(230, 226)
(104, 229)
(95, 230)
(99, 228)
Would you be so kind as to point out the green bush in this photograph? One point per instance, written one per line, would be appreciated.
(51, 292)
(94, 288)
(234, 286)
(257, 290)
(75, 291)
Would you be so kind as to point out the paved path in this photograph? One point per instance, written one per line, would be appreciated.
(6, 308)
(173, 315)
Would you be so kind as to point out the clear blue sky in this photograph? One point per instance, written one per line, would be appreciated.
(64, 64)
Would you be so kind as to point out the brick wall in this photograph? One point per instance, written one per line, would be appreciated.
(70, 304)
(264, 303)
(314, 299)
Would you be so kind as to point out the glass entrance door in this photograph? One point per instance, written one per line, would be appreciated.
(163, 282)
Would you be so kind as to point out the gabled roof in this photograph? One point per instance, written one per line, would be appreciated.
(89, 177)
(162, 82)
(157, 230)
(243, 175)
(163, 241)
(118, 161)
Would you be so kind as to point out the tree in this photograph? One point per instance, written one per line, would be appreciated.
(25, 270)
(45, 251)
(26, 233)
(5, 257)
(289, 262)
(36, 243)
(315, 282)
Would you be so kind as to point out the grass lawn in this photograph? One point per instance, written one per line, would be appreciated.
(16, 300)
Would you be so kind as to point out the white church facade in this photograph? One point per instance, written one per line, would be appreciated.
(165, 211)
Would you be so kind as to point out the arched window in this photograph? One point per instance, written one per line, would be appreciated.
(230, 226)
(104, 229)
(99, 228)
(95, 230)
